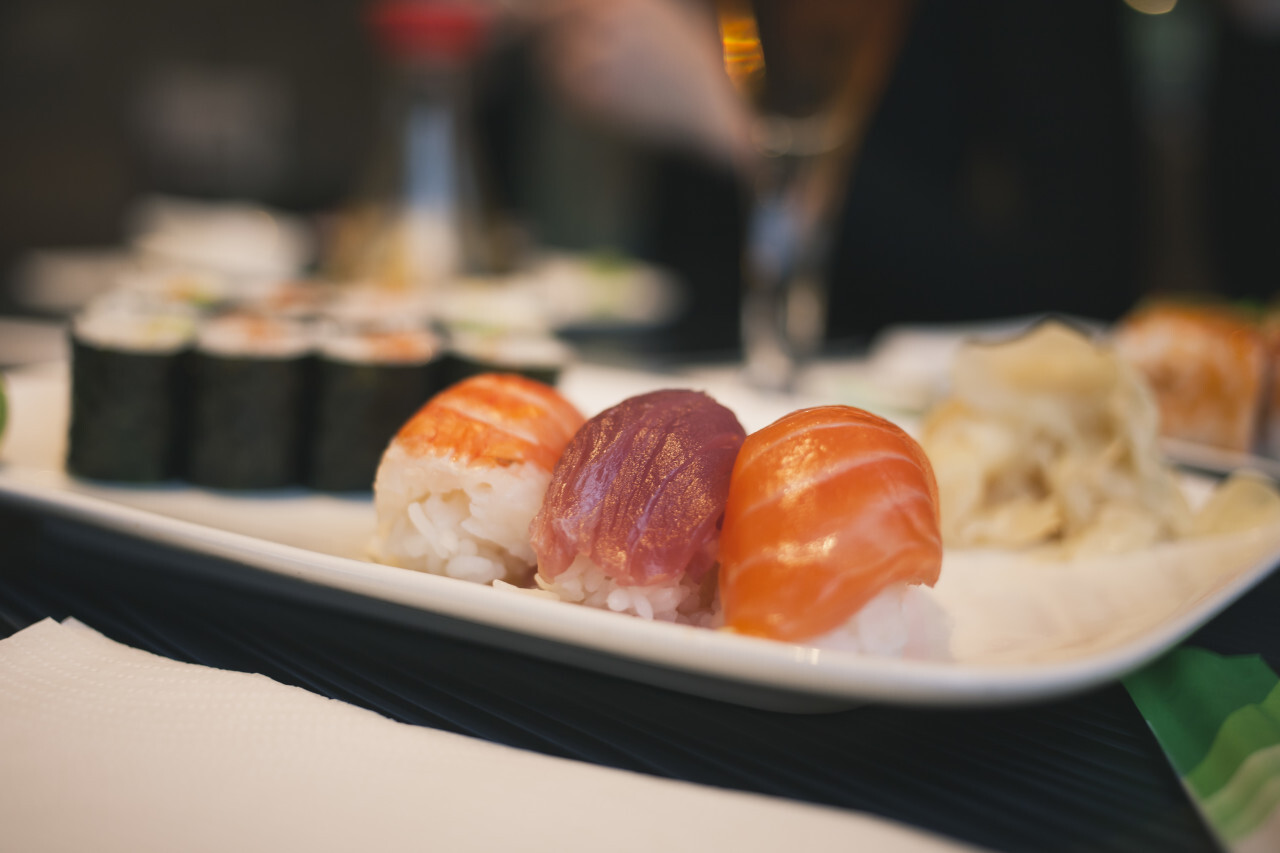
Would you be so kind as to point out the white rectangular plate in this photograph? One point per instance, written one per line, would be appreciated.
(1022, 629)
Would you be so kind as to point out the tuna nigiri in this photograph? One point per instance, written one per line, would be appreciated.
(831, 512)
(458, 485)
(632, 516)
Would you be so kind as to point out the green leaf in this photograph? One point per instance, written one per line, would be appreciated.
(1187, 696)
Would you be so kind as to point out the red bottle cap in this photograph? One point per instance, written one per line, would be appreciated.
(450, 30)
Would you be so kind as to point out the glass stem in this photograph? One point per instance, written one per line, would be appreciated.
(784, 298)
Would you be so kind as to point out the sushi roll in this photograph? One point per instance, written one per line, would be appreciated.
(1208, 366)
(352, 302)
(538, 356)
(297, 299)
(195, 291)
(831, 523)
(368, 380)
(632, 515)
(250, 391)
(460, 482)
(127, 360)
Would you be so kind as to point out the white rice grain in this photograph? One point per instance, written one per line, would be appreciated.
(903, 621)
(437, 516)
(680, 600)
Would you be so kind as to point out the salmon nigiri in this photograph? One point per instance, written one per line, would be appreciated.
(832, 511)
(458, 485)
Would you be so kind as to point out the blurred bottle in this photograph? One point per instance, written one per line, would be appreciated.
(419, 217)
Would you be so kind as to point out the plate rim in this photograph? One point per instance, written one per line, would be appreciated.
(770, 665)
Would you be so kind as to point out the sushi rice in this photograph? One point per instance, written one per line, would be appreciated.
(680, 600)
(470, 523)
(902, 621)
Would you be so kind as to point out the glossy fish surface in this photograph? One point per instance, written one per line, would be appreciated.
(640, 490)
(827, 507)
(493, 419)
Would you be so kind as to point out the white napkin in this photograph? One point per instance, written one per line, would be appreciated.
(105, 747)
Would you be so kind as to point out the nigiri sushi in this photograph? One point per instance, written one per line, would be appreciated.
(632, 515)
(832, 517)
(457, 486)
(1207, 365)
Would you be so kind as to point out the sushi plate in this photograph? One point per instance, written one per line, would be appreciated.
(1022, 630)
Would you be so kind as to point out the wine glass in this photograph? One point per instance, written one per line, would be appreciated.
(811, 72)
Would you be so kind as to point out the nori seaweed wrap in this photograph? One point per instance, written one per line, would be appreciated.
(250, 390)
(126, 393)
(369, 381)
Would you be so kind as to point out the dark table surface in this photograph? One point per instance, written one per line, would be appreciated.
(1083, 773)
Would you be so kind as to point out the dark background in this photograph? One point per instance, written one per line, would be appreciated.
(1026, 157)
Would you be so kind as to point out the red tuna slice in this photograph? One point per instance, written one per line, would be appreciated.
(640, 490)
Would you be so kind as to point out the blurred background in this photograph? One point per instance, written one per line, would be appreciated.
(1021, 157)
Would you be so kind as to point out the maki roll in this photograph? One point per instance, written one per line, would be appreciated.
(461, 480)
(297, 299)
(542, 357)
(370, 303)
(197, 292)
(632, 517)
(250, 385)
(127, 362)
(369, 380)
